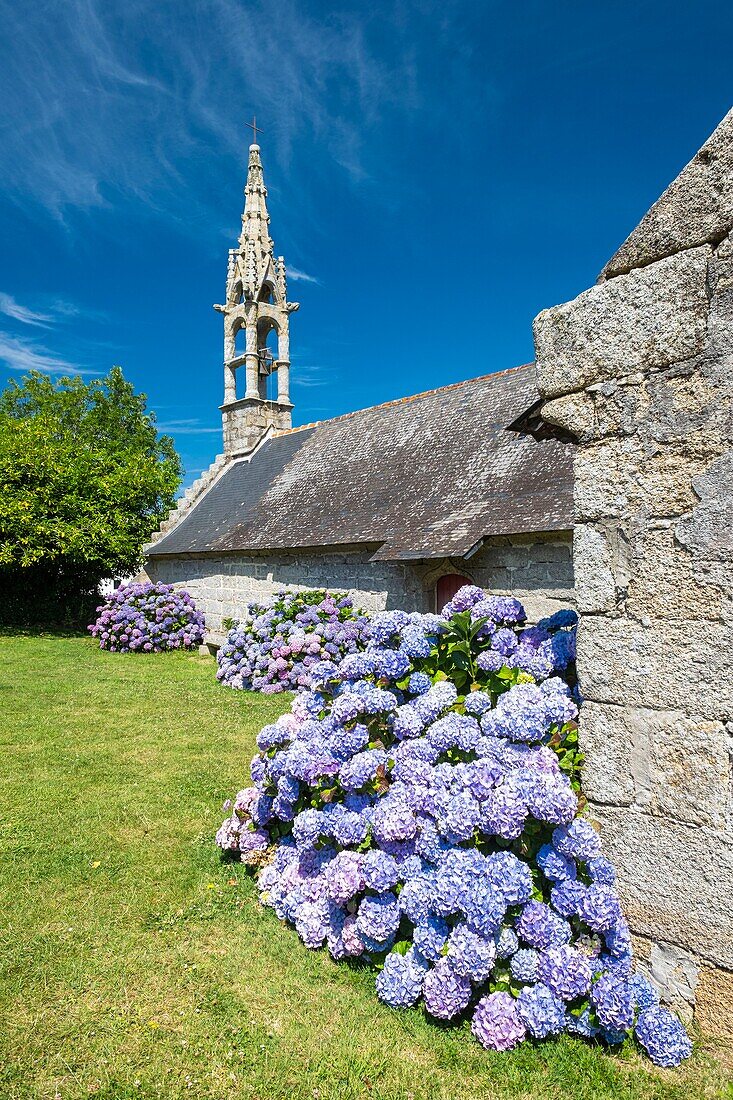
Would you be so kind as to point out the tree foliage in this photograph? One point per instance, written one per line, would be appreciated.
(85, 479)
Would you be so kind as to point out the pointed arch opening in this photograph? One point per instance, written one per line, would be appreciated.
(240, 347)
(240, 337)
(267, 349)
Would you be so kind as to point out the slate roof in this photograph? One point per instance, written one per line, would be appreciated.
(427, 476)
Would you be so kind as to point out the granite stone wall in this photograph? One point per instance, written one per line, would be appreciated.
(537, 569)
(640, 369)
(246, 422)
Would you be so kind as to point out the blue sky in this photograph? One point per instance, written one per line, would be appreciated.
(437, 174)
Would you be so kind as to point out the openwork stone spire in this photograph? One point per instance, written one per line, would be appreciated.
(255, 240)
(256, 305)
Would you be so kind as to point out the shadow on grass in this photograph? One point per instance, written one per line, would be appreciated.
(44, 630)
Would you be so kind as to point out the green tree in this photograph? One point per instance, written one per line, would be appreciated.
(85, 479)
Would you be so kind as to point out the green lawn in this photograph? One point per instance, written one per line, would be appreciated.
(135, 964)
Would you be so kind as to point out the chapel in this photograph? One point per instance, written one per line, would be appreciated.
(398, 504)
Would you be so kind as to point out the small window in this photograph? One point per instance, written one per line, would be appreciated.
(447, 587)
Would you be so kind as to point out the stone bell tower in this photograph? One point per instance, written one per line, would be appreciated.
(256, 308)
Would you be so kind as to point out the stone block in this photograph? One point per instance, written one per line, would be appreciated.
(708, 531)
(658, 664)
(639, 322)
(549, 552)
(575, 413)
(720, 324)
(669, 580)
(714, 1004)
(692, 399)
(688, 768)
(675, 880)
(608, 743)
(622, 477)
(673, 971)
(663, 762)
(696, 207)
(495, 579)
(595, 585)
(541, 606)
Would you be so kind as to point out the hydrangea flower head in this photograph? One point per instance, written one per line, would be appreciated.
(541, 1011)
(379, 870)
(400, 982)
(344, 876)
(614, 1002)
(523, 964)
(445, 992)
(471, 956)
(506, 943)
(565, 971)
(464, 599)
(599, 908)
(430, 936)
(644, 993)
(538, 926)
(578, 840)
(378, 917)
(496, 1022)
(663, 1037)
(557, 867)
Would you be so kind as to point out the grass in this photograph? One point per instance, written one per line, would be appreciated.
(136, 964)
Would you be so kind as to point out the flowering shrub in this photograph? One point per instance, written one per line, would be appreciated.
(148, 618)
(416, 809)
(276, 647)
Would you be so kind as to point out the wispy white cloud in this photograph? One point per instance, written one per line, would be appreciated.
(11, 308)
(103, 116)
(301, 276)
(63, 310)
(307, 376)
(50, 312)
(24, 355)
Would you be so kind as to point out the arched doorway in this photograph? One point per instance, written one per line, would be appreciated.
(446, 588)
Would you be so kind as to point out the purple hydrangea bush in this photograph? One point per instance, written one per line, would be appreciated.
(276, 646)
(417, 809)
(148, 618)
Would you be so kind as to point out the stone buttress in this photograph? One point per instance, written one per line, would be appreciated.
(640, 370)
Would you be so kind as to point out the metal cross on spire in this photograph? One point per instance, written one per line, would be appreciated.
(255, 129)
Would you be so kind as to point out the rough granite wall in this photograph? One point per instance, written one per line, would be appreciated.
(539, 570)
(640, 369)
(245, 423)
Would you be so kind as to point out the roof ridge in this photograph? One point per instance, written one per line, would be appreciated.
(400, 400)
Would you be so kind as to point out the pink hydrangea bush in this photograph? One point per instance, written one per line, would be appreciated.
(148, 618)
(275, 647)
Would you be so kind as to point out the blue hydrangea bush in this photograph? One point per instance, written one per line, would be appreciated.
(277, 645)
(148, 618)
(418, 809)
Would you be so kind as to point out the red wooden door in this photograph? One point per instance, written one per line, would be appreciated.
(447, 587)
